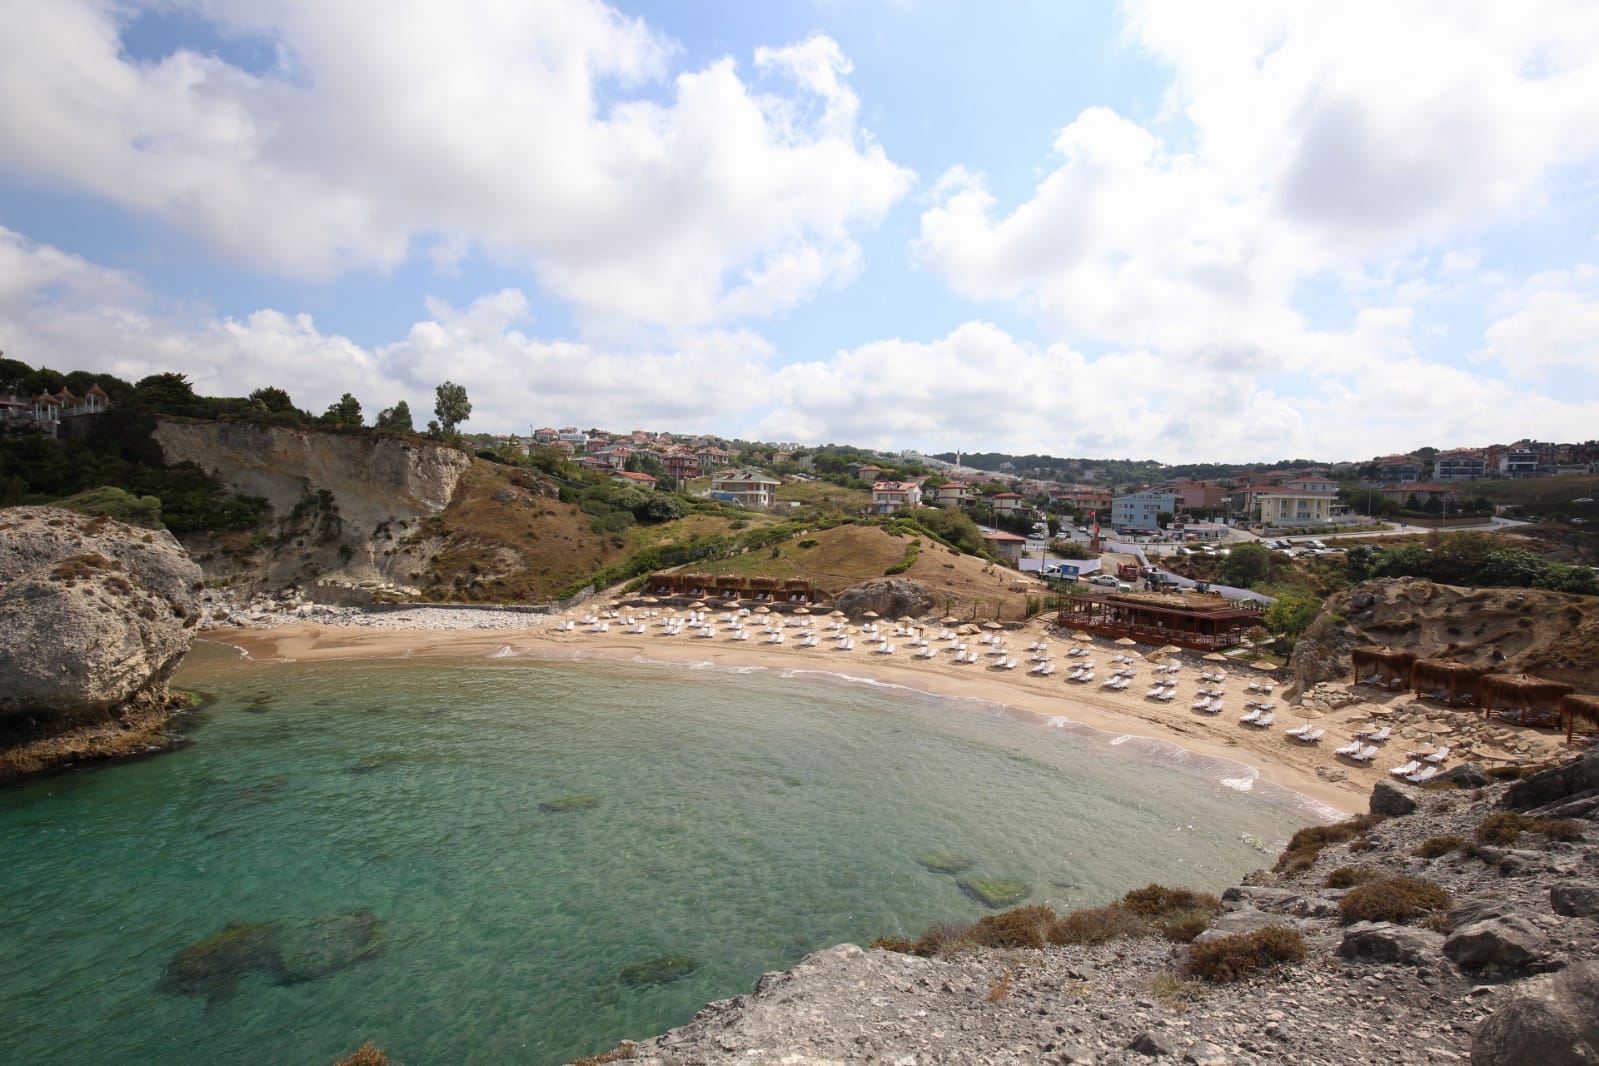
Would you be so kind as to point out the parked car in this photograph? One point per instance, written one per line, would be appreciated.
(1103, 579)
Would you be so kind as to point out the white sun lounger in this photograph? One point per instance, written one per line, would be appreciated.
(1366, 754)
(1437, 757)
(1422, 776)
(1407, 769)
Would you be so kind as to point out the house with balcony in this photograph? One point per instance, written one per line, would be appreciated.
(949, 494)
(1141, 510)
(1460, 464)
(1199, 495)
(680, 463)
(1398, 469)
(747, 488)
(1009, 503)
(891, 497)
(1280, 506)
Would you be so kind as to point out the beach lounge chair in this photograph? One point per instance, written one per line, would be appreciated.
(1217, 706)
(1348, 749)
(1049, 669)
(1366, 754)
(1154, 693)
(1381, 735)
(1265, 720)
(1011, 664)
(1201, 704)
(1297, 731)
(1407, 769)
(1422, 776)
(1251, 717)
(1312, 736)
(1436, 757)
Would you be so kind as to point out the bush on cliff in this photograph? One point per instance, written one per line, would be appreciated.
(1400, 900)
(1233, 958)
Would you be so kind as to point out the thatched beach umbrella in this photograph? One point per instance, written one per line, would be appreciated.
(1576, 709)
(802, 610)
(1086, 638)
(1170, 649)
(1215, 657)
(1446, 679)
(697, 605)
(763, 609)
(950, 620)
(1262, 664)
(1126, 642)
(871, 614)
(1536, 700)
(992, 625)
(649, 599)
(837, 614)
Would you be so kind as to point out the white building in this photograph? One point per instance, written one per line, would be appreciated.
(1141, 510)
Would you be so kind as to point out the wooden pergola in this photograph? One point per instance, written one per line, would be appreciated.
(730, 587)
(1444, 679)
(1580, 710)
(1156, 618)
(1378, 664)
(1522, 698)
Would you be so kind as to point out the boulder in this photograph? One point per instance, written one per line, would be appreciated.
(1575, 900)
(1505, 942)
(95, 612)
(1558, 783)
(1545, 1021)
(1466, 775)
(1393, 799)
(1385, 942)
(889, 597)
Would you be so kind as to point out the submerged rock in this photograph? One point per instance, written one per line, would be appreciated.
(282, 953)
(995, 892)
(658, 971)
(565, 804)
(946, 862)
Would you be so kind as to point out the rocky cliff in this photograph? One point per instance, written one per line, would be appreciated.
(96, 616)
(1513, 630)
(1455, 922)
(340, 502)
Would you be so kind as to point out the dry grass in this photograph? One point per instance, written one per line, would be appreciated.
(1435, 847)
(365, 1055)
(1393, 899)
(1507, 827)
(1350, 876)
(1305, 845)
(1233, 958)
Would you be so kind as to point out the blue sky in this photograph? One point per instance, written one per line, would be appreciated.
(1240, 231)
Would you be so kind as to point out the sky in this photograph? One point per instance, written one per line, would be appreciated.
(1224, 232)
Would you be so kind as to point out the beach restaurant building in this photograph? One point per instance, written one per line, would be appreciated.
(1206, 623)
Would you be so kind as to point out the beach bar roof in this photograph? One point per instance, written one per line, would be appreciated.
(1522, 698)
(1381, 665)
(730, 586)
(1157, 618)
(1447, 680)
(1577, 710)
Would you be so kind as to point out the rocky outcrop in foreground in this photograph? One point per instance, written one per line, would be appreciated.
(1495, 964)
(96, 616)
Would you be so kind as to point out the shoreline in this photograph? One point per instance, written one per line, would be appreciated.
(1270, 756)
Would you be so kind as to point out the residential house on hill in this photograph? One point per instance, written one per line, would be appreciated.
(1460, 464)
(1141, 510)
(890, 497)
(747, 488)
(950, 494)
(1006, 546)
(1279, 506)
(1008, 503)
(634, 478)
(1398, 469)
(1424, 493)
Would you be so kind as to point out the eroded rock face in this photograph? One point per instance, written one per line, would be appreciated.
(94, 612)
(889, 597)
(1547, 1021)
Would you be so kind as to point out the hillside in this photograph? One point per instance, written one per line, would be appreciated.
(1513, 630)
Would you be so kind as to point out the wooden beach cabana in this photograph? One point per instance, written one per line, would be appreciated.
(1201, 623)
(1522, 698)
(1444, 679)
(725, 587)
(1578, 710)
(1378, 664)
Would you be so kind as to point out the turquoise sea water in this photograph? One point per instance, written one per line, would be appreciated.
(731, 822)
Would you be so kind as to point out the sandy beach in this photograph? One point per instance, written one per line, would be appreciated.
(1312, 770)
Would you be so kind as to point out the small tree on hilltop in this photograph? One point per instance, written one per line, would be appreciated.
(347, 412)
(396, 419)
(273, 399)
(451, 405)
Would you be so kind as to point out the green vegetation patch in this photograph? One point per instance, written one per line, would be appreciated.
(1305, 845)
(995, 892)
(659, 971)
(581, 801)
(1507, 827)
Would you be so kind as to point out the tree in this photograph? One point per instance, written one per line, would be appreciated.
(1291, 615)
(1246, 565)
(165, 392)
(347, 412)
(396, 419)
(451, 405)
(274, 399)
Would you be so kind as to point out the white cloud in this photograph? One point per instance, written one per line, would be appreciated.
(541, 130)
(1551, 322)
(1297, 142)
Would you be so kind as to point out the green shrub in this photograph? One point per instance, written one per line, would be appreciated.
(1178, 914)
(1350, 876)
(1019, 927)
(1305, 845)
(1433, 847)
(1232, 958)
(1393, 899)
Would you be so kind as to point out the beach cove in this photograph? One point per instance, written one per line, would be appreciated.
(558, 847)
